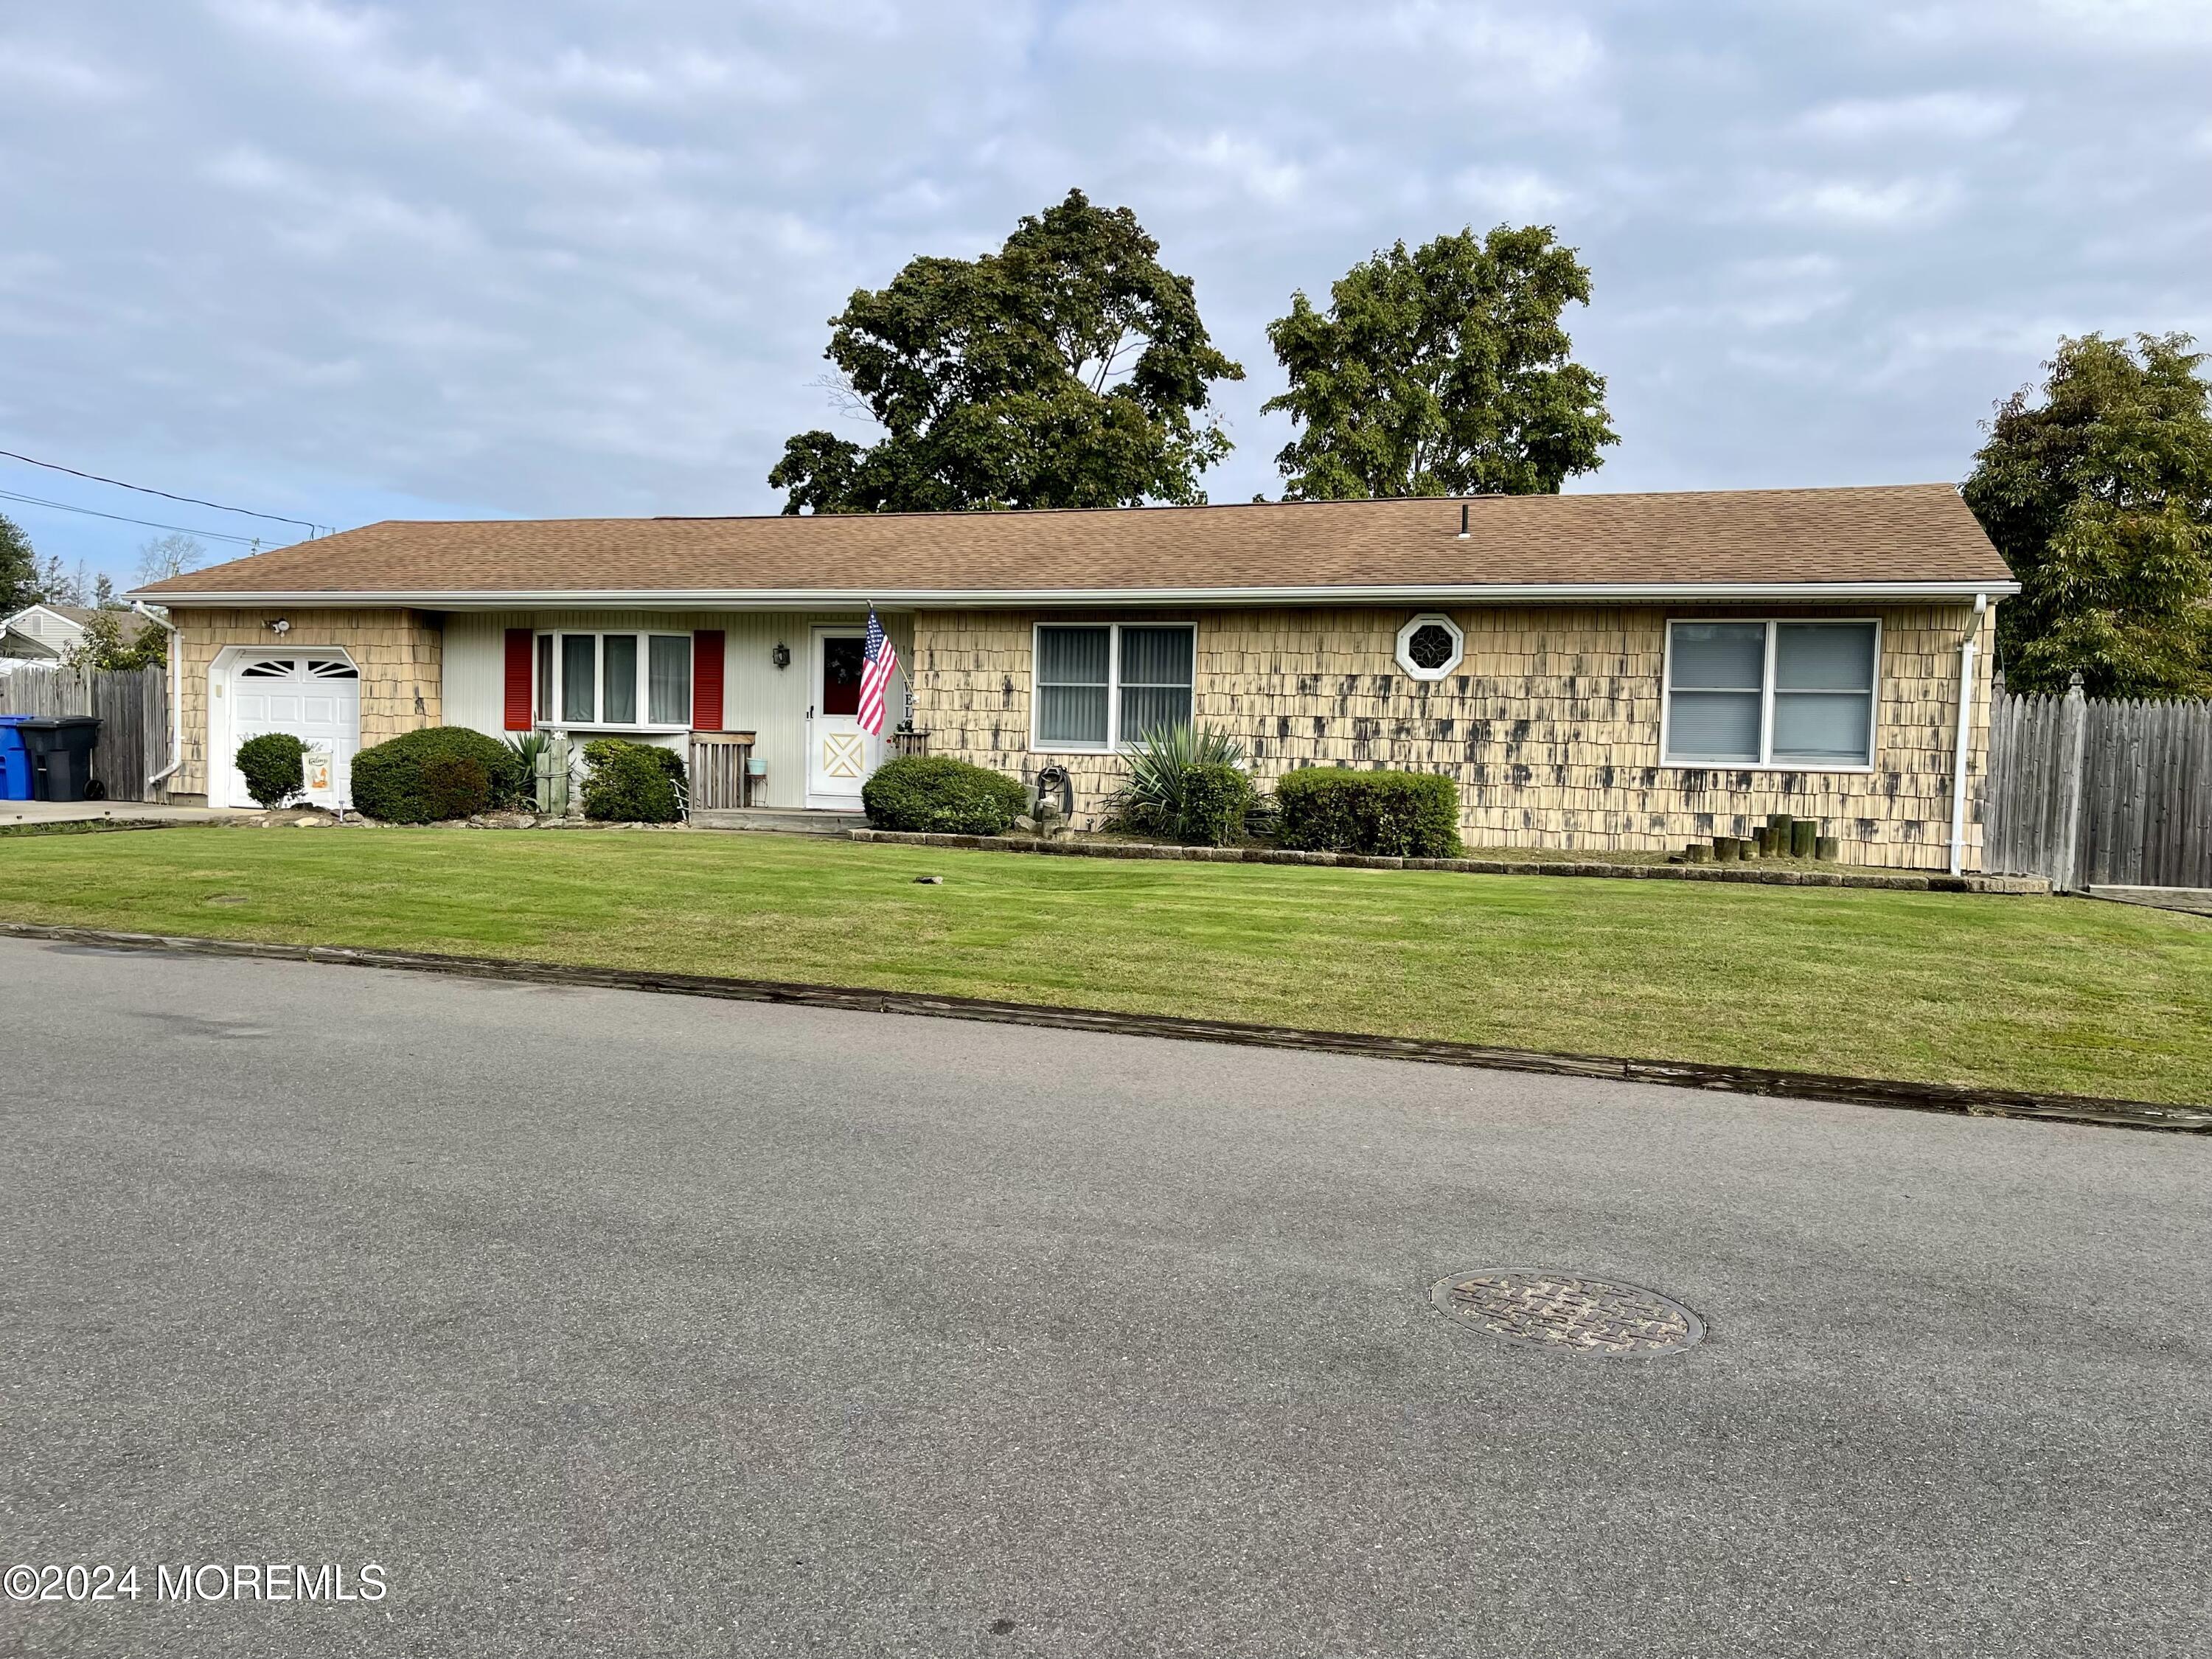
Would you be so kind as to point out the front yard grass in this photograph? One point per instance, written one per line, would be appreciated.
(2059, 995)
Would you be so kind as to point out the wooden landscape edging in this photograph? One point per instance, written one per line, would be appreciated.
(1775, 874)
(1685, 1074)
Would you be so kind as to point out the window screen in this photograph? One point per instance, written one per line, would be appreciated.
(1771, 693)
(578, 652)
(1824, 693)
(1156, 667)
(1717, 673)
(1074, 666)
(618, 671)
(669, 696)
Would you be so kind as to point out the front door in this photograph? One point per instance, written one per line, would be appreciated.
(839, 754)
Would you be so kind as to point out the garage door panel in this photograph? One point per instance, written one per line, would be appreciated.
(316, 700)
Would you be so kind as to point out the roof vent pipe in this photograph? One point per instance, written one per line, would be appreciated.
(1463, 521)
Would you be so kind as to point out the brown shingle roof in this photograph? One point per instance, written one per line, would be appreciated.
(1906, 534)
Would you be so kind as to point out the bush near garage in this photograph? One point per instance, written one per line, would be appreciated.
(626, 782)
(455, 786)
(1327, 808)
(273, 768)
(391, 781)
(936, 794)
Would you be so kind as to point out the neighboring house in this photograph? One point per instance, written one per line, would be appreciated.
(1600, 672)
(42, 633)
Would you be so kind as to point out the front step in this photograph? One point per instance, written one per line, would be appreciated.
(790, 821)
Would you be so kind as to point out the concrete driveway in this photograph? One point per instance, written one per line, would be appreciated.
(611, 1323)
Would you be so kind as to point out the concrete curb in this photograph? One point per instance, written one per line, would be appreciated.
(1914, 881)
(1735, 1079)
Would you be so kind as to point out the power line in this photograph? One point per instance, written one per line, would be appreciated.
(312, 528)
(93, 512)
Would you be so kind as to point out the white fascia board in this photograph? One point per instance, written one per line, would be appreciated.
(1006, 598)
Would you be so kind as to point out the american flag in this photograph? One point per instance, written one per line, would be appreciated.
(881, 660)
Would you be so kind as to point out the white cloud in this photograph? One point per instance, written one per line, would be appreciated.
(1925, 115)
(1862, 205)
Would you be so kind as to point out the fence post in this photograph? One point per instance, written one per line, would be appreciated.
(2072, 733)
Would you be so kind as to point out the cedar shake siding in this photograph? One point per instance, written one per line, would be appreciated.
(1550, 724)
(399, 655)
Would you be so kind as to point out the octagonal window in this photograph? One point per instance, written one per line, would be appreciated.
(1430, 646)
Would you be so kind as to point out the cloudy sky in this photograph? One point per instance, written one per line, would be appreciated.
(350, 261)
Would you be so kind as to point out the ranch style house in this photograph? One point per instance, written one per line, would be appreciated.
(1620, 671)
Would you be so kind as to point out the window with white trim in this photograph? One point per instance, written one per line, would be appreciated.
(1790, 694)
(628, 682)
(1100, 685)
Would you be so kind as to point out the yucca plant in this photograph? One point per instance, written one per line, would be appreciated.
(529, 748)
(1186, 783)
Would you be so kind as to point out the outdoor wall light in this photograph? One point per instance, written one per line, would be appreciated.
(781, 655)
(280, 626)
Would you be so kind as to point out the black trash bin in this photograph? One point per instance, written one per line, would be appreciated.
(60, 747)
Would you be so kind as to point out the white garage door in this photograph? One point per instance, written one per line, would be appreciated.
(316, 700)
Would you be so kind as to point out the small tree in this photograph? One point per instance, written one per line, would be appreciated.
(1442, 371)
(2101, 499)
(118, 640)
(19, 568)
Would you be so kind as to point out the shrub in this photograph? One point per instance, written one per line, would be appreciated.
(936, 794)
(389, 781)
(1215, 800)
(455, 786)
(629, 782)
(1175, 787)
(1390, 814)
(272, 767)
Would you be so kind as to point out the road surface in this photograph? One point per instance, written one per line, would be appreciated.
(604, 1323)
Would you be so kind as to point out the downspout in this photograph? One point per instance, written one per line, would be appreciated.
(176, 693)
(1966, 727)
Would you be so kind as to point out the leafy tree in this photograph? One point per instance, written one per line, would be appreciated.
(1068, 369)
(1444, 371)
(19, 568)
(2101, 499)
(109, 641)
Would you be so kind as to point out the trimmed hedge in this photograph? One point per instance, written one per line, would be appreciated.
(456, 786)
(1216, 796)
(626, 782)
(936, 794)
(390, 781)
(1327, 808)
(272, 767)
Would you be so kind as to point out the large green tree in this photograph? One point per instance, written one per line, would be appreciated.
(1442, 371)
(1068, 369)
(19, 568)
(2100, 496)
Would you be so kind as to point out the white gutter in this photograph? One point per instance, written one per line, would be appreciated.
(176, 654)
(1965, 727)
(664, 598)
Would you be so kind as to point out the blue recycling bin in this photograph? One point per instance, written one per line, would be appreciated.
(15, 760)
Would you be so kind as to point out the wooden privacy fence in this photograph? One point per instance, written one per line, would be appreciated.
(2095, 793)
(132, 706)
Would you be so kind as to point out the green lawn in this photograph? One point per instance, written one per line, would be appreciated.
(2055, 994)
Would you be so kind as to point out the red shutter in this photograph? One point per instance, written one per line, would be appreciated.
(519, 643)
(706, 680)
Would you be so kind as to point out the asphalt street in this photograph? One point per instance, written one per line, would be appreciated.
(613, 1323)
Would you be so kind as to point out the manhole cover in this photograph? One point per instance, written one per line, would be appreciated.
(1546, 1308)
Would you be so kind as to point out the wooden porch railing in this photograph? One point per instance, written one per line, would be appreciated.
(904, 743)
(722, 770)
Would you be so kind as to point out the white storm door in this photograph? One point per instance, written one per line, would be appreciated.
(839, 754)
(314, 696)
